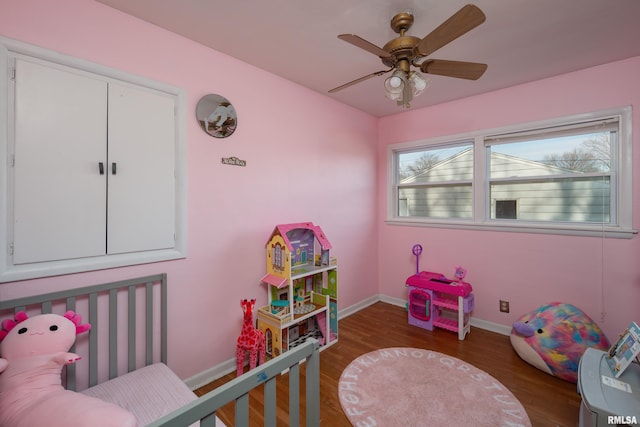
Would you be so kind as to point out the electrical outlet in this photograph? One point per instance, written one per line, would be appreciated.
(504, 306)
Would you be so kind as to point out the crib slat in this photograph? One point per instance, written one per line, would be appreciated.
(209, 421)
(163, 319)
(294, 395)
(70, 374)
(71, 303)
(270, 402)
(312, 397)
(47, 307)
(149, 323)
(132, 328)
(93, 339)
(113, 333)
(242, 411)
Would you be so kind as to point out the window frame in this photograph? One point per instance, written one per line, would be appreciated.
(481, 203)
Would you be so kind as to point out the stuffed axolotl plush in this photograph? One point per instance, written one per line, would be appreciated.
(32, 354)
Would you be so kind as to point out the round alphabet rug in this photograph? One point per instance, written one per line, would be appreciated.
(415, 387)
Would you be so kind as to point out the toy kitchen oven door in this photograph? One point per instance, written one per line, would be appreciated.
(419, 308)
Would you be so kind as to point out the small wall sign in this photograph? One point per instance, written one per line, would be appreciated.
(234, 161)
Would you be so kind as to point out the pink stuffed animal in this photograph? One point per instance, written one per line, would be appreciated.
(32, 354)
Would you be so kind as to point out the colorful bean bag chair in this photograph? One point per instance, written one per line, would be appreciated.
(553, 338)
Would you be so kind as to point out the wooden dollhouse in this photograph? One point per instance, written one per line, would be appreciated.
(302, 280)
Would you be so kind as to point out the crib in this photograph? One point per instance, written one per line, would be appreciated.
(132, 314)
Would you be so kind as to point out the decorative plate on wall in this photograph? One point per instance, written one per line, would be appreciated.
(216, 116)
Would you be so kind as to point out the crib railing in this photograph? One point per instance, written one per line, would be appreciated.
(119, 300)
(204, 408)
(122, 300)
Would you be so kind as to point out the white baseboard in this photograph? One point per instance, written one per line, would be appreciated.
(393, 301)
(345, 312)
(205, 377)
(228, 366)
(491, 326)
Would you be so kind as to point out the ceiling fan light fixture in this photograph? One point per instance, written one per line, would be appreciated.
(394, 85)
(395, 82)
(402, 87)
(394, 96)
(418, 82)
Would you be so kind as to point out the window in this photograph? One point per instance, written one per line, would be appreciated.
(560, 174)
(506, 209)
(278, 252)
(570, 175)
(436, 182)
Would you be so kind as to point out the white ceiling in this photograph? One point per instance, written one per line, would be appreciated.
(521, 40)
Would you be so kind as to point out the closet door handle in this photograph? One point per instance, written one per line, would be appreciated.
(113, 168)
(101, 168)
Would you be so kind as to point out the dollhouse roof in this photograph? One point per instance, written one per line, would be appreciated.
(273, 280)
(283, 229)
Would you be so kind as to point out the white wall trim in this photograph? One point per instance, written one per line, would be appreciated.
(491, 326)
(393, 301)
(345, 312)
(205, 377)
(228, 366)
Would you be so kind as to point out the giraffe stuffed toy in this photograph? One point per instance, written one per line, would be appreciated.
(251, 339)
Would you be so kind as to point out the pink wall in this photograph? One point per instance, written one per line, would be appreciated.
(285, 133)
(526, 269)
(285, 129)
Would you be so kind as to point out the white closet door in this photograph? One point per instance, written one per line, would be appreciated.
(141, 202)
(60, 138)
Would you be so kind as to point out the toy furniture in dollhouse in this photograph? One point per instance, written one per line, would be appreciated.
(302, 288)
(435, 301)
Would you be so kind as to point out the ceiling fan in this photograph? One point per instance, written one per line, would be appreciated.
(403, 52)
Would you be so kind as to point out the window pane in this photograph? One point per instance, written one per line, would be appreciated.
(561, 200)
(444, 201)
(575, 154)
(436, 164)
(436, 182)
(555, 175)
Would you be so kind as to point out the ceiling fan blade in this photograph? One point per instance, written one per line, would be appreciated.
(464, 20)
(457, 69)
(361, 79)
(364, 44)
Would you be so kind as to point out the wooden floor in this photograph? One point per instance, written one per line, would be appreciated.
(548, 400)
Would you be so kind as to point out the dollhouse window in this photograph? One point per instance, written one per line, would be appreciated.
(278, 253)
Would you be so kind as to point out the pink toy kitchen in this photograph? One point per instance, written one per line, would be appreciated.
(434, 301)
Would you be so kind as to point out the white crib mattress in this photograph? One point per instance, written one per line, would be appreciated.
(149, 393)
